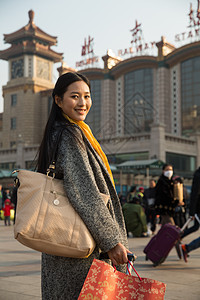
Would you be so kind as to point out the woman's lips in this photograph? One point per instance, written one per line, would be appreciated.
(81, 111)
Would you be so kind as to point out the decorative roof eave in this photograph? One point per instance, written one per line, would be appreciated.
(33, 33)
(18, 50)
(30, 30)
(183, 53)
(134, 63)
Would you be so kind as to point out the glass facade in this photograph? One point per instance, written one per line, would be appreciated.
(138, 101)
(190, 92)
(94, 116)
(181, 163)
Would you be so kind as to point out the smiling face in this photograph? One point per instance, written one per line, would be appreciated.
(76, 101)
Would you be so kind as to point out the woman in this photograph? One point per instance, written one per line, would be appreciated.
(85, 171)
(165, 203)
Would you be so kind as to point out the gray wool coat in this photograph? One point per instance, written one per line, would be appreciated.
(85, 177)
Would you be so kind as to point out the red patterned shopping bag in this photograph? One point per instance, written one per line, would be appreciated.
(103, 282)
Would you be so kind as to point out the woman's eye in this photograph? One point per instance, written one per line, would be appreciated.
(75, 96)
(87, 96)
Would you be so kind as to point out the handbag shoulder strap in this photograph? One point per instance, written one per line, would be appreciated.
(52, 165)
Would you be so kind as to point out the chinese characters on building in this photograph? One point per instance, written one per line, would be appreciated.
(88, 53)
(138, 45)
(194, 25)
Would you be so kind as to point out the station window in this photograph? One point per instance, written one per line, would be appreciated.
(13, 123)
(14, 100)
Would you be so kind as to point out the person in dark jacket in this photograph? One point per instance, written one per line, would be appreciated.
(165, 203)
(149, 204)
(194, 207)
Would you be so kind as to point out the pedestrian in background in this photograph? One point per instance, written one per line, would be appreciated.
(14, 197)
(135, 218)
(140, 195)
(187, 248)
(194, 207)
(165, 203)
(131, 194)
(7, 208)
(149, 204)
(86, 174)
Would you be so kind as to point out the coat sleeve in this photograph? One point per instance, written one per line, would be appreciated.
(83, 193)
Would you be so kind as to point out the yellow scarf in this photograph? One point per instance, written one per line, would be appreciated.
(88, 133)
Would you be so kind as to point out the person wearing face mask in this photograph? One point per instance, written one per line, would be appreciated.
(165, 203)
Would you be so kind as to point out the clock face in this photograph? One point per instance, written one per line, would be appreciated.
(42, 69)
(17, 68)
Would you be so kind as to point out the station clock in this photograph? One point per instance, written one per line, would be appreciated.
(42, 69)
(17, 68)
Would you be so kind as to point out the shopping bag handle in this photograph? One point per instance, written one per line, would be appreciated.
(129, 262)
(131, 258)
(129, 273)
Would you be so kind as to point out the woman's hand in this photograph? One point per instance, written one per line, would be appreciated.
(118, 254)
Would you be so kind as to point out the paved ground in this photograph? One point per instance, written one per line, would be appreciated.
(20, 269)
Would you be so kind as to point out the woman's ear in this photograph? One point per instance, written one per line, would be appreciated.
(58, 100)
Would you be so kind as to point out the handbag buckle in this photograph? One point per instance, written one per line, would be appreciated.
(51, 169)
(48, 173)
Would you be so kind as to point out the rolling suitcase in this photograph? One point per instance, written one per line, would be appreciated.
(160, 245)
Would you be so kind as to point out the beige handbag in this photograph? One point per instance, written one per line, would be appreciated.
(46, 221)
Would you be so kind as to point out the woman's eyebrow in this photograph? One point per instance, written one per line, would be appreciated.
(73, 92)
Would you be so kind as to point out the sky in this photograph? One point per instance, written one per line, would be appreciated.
(108, 21)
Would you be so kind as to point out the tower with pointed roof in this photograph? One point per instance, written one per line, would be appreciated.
(30, 62)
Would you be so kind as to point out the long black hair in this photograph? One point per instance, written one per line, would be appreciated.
(45, 149)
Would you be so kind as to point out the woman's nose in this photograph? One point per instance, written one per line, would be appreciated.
(81, 101)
